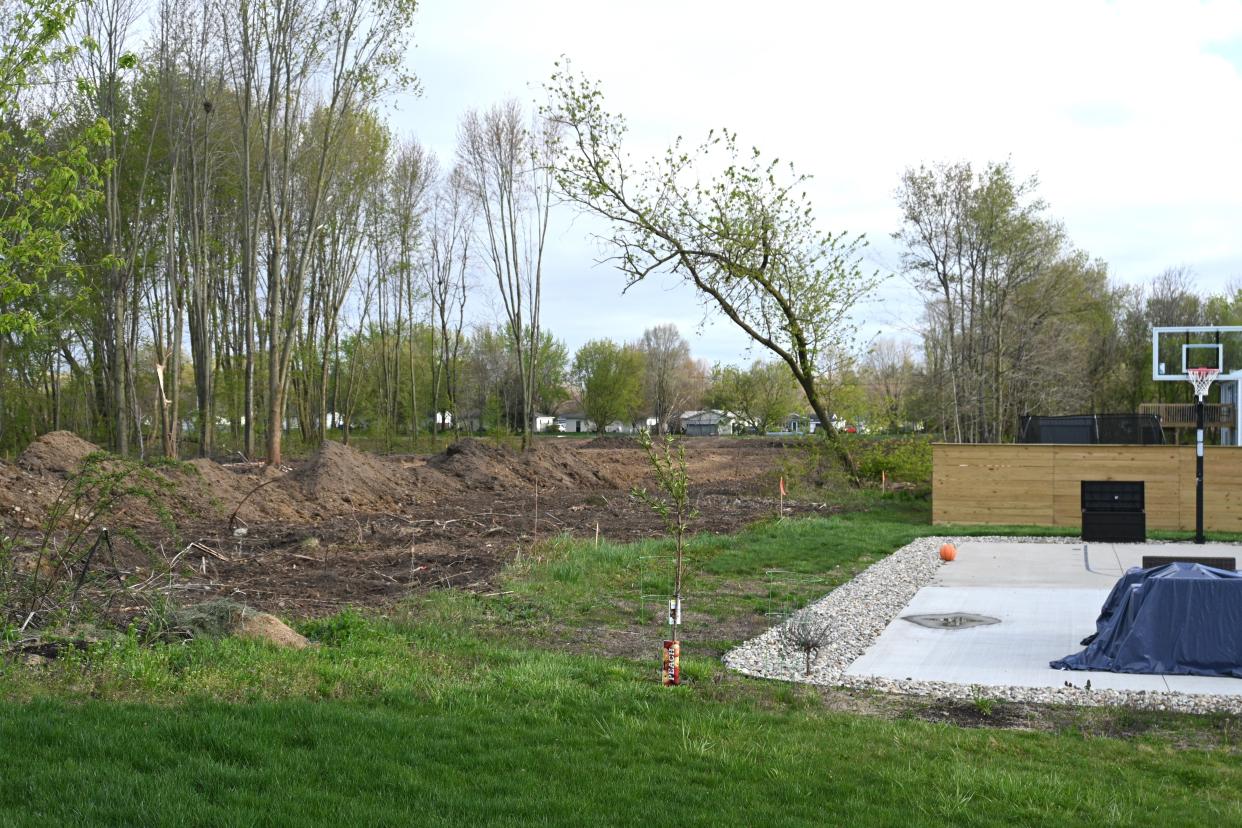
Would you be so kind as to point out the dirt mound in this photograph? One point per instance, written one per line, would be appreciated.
(261, 626)
(611, 441)
(254, 491)
(58, 452)
(482, 466)
(341, 478)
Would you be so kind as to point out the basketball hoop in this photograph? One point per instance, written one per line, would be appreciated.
(1201, 379)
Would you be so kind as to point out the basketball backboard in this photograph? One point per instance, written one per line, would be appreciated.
(1174, 350)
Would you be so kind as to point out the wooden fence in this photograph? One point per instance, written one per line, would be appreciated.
(1039, 484)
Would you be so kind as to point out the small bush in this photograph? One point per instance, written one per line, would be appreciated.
(900, 459)
(211, 619)
(69, 575)
(805, 635)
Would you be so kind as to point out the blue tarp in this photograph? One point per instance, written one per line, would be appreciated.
(1181, 619)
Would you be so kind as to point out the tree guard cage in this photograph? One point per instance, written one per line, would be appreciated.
(1123, 429)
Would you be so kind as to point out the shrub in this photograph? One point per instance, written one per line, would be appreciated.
(900, 459)
(805, 635)
(68, 574)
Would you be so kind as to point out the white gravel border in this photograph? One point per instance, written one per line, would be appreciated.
(860, 609)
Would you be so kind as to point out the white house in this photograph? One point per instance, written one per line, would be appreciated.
(574, 422)
(800, 424)
(631, 426)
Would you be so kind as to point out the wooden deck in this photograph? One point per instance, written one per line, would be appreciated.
(1182, 415)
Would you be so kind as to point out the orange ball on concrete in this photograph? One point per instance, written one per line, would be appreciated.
(948, 552)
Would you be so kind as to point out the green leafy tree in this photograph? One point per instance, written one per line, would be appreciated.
(776, 394)
(731, 389)
(552, 367)
(762, 395)
(735, 225)
(609, 381)
(1008, 300)
(43, 189)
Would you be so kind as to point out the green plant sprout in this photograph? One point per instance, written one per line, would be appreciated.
(671, 503)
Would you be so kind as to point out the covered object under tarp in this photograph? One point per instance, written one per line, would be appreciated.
(1181, 619)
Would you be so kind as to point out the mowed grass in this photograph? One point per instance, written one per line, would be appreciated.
(398, 722)
(450, 710)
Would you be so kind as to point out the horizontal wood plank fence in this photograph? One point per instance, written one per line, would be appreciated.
(1039, 484)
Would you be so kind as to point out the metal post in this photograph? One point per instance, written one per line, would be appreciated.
(1199, 472)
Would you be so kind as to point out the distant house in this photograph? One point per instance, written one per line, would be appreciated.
(631, 426)
(574, 422)
(800, 424)
(708, 423)
(470, 421)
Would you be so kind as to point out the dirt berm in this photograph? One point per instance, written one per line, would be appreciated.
(476, 465)
(336, 480)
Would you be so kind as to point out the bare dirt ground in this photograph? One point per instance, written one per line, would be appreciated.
(350, 528)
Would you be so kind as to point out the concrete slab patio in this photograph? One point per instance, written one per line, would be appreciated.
(1046, 596)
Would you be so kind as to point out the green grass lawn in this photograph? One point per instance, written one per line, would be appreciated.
(401, 722)
(461, 709)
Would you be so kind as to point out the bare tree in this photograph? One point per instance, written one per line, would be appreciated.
(669, 374)
(888, 372)
(356, 48)
(107, 25)
(997, 273)
(244, 67)
(445, 269)
(189, 83)
(336, 257)
(410, 180)
(505, 163)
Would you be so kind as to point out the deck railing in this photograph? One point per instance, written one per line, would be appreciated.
(1182, 415)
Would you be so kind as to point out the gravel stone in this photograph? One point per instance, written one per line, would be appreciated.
(859, 610)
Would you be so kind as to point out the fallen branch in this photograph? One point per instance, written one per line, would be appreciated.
(202, 547)
(233, 517)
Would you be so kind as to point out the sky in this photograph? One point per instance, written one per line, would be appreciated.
(1129, 114)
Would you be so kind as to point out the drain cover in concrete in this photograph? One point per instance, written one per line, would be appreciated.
(951, 620)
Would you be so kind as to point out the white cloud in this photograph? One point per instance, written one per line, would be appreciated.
(1130, 114)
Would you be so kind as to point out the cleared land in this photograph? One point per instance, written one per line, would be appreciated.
(534, 699)
(348, 528)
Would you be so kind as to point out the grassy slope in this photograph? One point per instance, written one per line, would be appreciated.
(447, 713)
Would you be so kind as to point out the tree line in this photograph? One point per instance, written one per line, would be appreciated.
(1016, 319)
(245, 224)
(210, 238)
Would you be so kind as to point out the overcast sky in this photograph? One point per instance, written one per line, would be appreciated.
(1129, 113)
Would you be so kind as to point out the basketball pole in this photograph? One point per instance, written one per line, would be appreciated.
(1199, 471)
(1201, 379)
